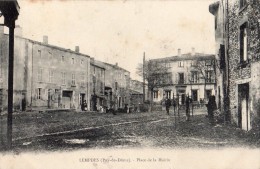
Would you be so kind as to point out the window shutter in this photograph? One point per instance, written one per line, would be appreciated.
(36, 94)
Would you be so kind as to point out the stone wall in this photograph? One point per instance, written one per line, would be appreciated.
(243, 74)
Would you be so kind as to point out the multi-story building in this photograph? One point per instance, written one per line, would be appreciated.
(117, 84)
(45, 76)
(217, 9)
(241, 34)
(190, 74)
(97, 84)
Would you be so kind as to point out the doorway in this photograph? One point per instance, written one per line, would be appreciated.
(67, 98)
(243, 113)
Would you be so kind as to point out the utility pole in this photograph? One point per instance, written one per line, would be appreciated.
(143, 78)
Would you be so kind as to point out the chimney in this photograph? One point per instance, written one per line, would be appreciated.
(45, 39)
(18, 31)
(179, 52)
(77, 49)
(192, 51)
(116, 64)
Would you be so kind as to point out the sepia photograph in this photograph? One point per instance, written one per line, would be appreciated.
(130, 84)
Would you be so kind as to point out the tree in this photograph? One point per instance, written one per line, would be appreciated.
(207, 71)
(156, 74)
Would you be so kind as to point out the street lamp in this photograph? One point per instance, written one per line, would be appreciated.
(10, 11)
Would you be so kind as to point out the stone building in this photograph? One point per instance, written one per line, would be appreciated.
(45, 76)
(242, 50)
(190, 74)
(117, 85)
(97, 85)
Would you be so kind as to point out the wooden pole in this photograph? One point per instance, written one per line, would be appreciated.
(10, 86)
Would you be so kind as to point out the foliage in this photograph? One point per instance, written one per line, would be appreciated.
(155, 73)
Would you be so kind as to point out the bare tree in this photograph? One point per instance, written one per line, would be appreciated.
(207, 72)
(156, 75)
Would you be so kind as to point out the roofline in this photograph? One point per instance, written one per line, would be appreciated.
(117, 67)
(197, 56)
(52, 46)
(97, 66)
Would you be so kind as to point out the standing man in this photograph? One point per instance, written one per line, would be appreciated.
(174, 105)
(212, 106)
(168, 104)
(187, 108)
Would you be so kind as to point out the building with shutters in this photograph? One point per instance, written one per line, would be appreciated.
(97, 85)
(190, 74)
(117, 86)
(45, 76)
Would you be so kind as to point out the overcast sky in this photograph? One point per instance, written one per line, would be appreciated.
(120, 31)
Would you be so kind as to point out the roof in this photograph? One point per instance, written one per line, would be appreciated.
(135, 92)
(213, 7)
(116, 67)
(188, 56)
(52, 46)
(96, 63)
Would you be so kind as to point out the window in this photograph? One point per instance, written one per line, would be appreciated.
(180, 64)
(116, 85)
(62, 58)
(194, 77)
(82, 79)
(167, 65)
(242, 3)
(40, 74)
(243, 43)
(181, 78)
(194, 63)
(50, 54)
(73, 82)
(194, 95)
(208, 62)
(63, 78)
(81, 61)
(101, 87)
(168, 94)
(51, 75)
(209, 74)
(39, 93)
(40, 53)
(168, 78)
(208, 93)
(155, 94)
(72, 60)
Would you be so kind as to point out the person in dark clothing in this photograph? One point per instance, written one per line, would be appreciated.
(187, 102)
(211, 106)
(168, 104)
(174, 104)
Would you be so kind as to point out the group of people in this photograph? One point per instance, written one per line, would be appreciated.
(211, 107)
(168, 103)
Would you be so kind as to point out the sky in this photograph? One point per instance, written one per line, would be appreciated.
(121, 31)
